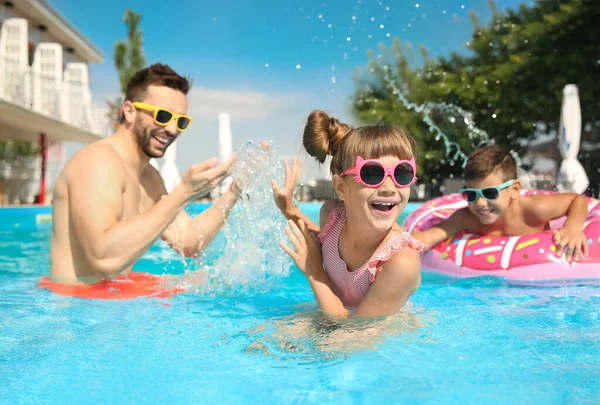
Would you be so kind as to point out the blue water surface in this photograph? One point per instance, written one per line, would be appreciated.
(477, 341)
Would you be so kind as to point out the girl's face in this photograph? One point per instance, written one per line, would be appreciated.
(379, 207)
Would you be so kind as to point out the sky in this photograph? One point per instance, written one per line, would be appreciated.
(268, 63)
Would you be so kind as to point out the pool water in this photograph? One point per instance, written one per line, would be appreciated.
(478, 341)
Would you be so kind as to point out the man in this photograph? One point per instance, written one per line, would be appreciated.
(110, 204)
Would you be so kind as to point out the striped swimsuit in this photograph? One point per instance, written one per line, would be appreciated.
(352, 287)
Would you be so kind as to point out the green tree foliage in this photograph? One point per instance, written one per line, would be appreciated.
(129, 57)
(510, 78)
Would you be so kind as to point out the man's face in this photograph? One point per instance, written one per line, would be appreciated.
(153, 138)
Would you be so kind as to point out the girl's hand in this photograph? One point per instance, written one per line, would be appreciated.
(307, 249)
(284, 196)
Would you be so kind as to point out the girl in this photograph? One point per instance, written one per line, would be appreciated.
(361, 257)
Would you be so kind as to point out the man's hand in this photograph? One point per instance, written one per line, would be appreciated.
(203, 177)
(284, 197)
(575, 242)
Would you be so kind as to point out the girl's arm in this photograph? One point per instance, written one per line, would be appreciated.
(398, 279)
(306, 253)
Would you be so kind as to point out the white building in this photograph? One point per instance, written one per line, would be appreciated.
(45, 96)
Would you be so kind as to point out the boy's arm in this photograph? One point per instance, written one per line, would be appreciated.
(544, 208)
(457, 222)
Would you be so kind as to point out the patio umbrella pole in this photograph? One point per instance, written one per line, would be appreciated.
(44, 151)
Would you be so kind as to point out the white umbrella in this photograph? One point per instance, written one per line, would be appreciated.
(225, 150)
(154, 163)
(169, 171)
(571, 176)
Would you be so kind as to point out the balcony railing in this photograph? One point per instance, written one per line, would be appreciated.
(68, 101)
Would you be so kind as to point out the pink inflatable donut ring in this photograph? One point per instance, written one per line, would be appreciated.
(528, 258)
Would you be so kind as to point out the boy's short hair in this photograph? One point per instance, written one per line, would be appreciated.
(486, 160)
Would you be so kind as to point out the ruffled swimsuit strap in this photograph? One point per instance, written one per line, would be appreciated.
(395, 244)
(335, 216)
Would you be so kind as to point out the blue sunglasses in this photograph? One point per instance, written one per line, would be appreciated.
(489, 193)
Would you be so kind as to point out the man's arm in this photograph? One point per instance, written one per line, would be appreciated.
(398, 279)
(457, 222)
(188, 236)
(96, 183)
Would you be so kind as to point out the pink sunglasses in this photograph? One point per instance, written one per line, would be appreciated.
(372, 172)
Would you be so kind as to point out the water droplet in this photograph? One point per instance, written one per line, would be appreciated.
(372, 18)
(332, 79)
(462, 6)
(320, 16)
(333, 68)
(329, 25)
(444, 11)
(494, 115)
(409, 25)
(417, 5)
(267, 65)
(298, 66)
(387, 8)
(371, 36)
(348, 39)
(387, 35)
(353, 17)
(381, 25)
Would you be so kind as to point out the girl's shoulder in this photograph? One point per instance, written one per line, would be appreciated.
(398, 251)
(332, 213)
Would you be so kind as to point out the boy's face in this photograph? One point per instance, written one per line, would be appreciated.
(489, 211)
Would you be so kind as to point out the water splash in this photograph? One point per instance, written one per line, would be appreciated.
(477, 136)
(246, 256)
(313, 337)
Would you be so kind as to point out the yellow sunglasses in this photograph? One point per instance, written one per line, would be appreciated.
(162, 116)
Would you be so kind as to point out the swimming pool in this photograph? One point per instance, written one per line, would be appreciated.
(468, 341)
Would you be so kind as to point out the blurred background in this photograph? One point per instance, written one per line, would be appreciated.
(455, 74)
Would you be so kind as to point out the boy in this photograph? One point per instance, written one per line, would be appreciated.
(497, 208)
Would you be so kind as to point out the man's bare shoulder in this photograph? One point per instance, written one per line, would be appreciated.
(94, 158)
(152, 174)
(153, 183)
